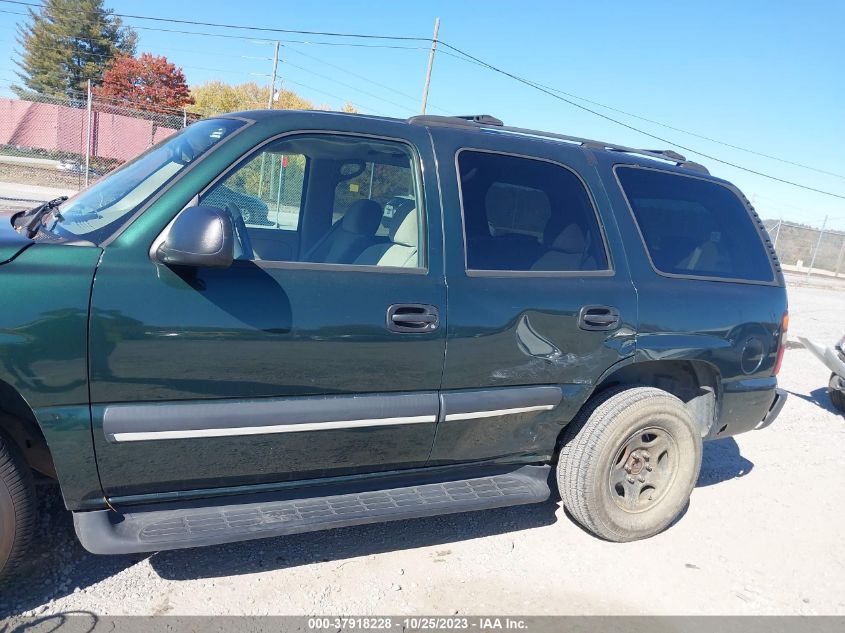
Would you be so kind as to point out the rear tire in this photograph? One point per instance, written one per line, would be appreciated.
(629, 463)
(837, 396)
(17, 508)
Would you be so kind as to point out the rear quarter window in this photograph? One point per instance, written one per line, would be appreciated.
(694, 227)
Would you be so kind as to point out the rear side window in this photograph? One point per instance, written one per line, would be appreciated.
(694, 227)
(522, 214)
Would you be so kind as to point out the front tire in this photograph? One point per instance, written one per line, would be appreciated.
(837, 395)
(629, 463)
(17, 508)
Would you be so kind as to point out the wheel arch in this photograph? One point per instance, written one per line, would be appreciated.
(18, 423)
(696, 383)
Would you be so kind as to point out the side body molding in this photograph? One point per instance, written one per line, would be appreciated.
(507, 424)
(210, 418)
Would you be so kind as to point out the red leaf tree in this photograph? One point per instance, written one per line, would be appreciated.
(148, 82)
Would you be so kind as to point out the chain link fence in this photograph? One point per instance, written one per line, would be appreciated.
(53, 146)
(807, 249)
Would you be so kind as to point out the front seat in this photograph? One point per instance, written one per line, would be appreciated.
(350, 236)
(403, 247)
(569, 251)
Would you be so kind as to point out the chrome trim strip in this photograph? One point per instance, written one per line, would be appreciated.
(268, 429)
(123, 422)
(497, 412)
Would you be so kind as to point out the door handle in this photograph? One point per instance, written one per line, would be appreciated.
(596, 318)
(412, 317)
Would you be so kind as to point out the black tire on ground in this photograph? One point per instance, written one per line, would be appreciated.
(629, 463)
(837, 396)
(17, 508)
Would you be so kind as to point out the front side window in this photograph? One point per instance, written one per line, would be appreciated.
(266, 191)
(325, 199)
(694, 227)
(523, 214)
(97, 212)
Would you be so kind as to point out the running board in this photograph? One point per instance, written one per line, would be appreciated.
(203, 522)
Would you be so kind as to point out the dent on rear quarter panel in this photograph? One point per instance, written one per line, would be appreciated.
(43, 347)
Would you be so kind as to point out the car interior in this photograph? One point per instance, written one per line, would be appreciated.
(324, 199)
(526, 215)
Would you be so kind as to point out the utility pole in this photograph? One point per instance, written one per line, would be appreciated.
(273, 77)
(269, 107)
(430, 65)
(88, 134)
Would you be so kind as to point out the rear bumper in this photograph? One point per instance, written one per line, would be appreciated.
(774, 410)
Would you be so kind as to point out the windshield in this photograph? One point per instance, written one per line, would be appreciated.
(96, 212)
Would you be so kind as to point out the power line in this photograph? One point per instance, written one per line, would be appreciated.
(345, 85)
(362, 77)
(636, 129)
(268, 40)
(554, 93)
(334, 96)
(661, 124)
(246, 27)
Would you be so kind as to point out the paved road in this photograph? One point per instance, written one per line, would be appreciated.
(16, 195)
(763, 535)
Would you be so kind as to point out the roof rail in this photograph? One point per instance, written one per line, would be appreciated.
(667, 154)
(482, 119)
(478, 121)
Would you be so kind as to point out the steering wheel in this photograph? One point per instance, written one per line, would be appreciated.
(240, 232)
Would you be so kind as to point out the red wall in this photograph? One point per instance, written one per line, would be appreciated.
(61, 128)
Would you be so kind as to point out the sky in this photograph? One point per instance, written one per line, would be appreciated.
(765, 76)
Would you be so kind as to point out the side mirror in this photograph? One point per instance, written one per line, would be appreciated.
(199, 236)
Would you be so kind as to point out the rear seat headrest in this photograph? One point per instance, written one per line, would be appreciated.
(363, 217)
(570, 240)
(403, 227)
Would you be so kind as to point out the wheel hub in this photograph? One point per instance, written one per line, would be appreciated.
(637, 462)
(643, 470)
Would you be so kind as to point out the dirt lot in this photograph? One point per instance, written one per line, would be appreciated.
(762, 536)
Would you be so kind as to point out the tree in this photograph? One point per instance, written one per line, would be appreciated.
(68, 42)
(148, 82)
(214, 97)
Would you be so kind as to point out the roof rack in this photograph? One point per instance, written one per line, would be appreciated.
(479, 121)
(468, 120)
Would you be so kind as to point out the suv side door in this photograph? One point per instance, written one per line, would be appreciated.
(281, 367)
(541, 303)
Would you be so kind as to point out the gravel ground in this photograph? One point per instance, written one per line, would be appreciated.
(761, 536)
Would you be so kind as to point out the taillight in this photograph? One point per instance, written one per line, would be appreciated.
(784, 326)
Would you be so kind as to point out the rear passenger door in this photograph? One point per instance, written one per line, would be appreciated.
(541, 302)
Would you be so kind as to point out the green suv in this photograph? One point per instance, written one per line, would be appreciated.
(276, 322)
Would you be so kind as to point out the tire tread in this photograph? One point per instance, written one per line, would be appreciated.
(17, 478)
(838, 399)
(581, 440)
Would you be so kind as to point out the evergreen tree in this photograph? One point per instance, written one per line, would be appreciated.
(68, 42)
